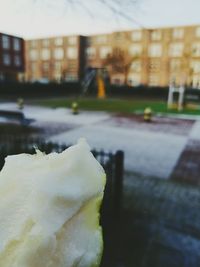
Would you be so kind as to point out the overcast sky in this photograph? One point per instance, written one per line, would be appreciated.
(40, 18)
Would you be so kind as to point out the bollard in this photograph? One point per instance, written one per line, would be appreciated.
(147, 114)
(20, 103)
(74, 108)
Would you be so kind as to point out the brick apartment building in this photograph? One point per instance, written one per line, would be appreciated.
(11, 57)
(55, 59)
(157, 56)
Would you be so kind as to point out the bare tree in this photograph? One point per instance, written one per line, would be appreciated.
(120, 61)
(185, 70)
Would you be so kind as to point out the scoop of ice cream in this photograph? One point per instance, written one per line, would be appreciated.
(49, 209)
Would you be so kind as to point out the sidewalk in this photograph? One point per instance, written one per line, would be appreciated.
(152, 149)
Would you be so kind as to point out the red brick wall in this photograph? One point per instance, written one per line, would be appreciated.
(12, 53)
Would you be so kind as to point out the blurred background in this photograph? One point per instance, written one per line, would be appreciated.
(126, 76)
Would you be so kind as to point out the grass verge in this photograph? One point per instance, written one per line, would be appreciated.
(114, 105)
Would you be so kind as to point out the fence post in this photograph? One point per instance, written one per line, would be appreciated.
(119, 171)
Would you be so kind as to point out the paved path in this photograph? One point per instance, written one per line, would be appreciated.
(58, 114)
(153, 154)
(195, 131)
(152, 149)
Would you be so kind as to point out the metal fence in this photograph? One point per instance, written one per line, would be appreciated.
(113, 164)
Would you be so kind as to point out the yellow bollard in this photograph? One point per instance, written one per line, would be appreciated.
(74, 108)
(147, 114)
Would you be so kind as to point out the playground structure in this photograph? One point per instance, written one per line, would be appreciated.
(172, 90)
(95, 75)
(187, 97)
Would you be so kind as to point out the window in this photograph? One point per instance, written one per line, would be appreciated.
(58, 53)
(72, 53)
(6, 59)
(195, 66)
(135, 50)
(105, 51)
(196, 49)
(196, 81)
(45, 42)
(57, 70)
(45, 66)
(58, 66)
(33, 54)
(156, 35)
(45, 54)
(117, 80)
(198, 32)
(134, 79)
(33, 67)
(175, 65)
(5, 42)
(136, 35)
(155, 50)
(176, 50)
(91, 52)
(118, 36)
(89, 41)
(136, 66)
(178, 33)
(72, 66)
(101, 39)
(16, 44)
(72, 40)
(45, 70)
(154, 80)
(33, 44)
(17, 61)
(58, 41)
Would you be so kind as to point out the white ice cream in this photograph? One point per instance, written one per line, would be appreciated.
(49, 209)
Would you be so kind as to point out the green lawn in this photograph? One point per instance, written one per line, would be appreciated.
(113, 105)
